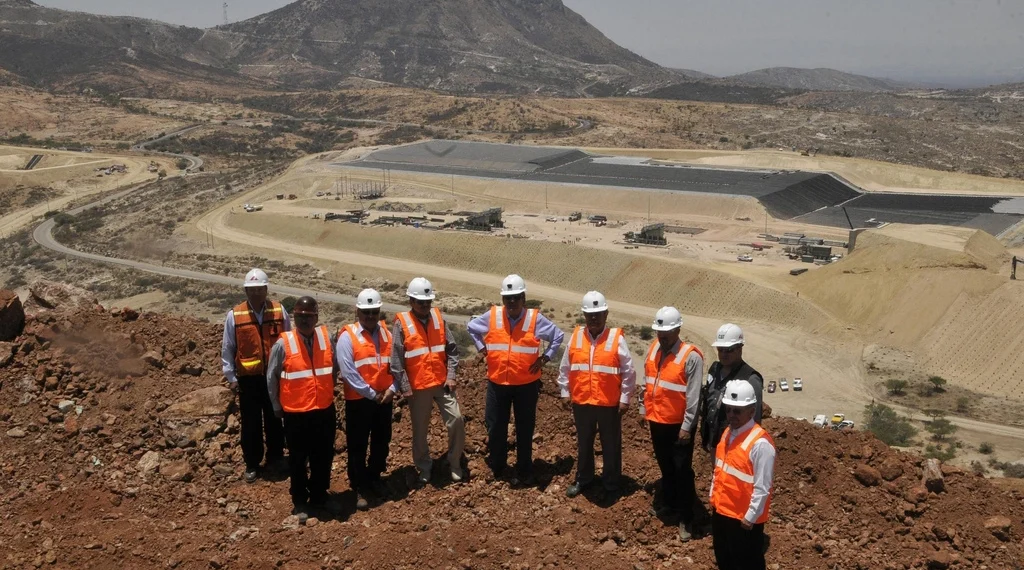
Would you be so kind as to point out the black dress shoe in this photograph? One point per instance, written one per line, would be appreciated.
(574, 489)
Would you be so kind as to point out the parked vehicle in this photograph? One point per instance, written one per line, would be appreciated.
(845, 424)
(744, 257)
(820, 420)
(838, 419)
(798, 385)
(784, 385)
(771, 386)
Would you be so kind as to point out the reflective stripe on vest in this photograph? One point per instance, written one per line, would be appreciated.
(594, 369)
(373, 367)
(511, 353)
(252, 339)
(307, 384)
(665, 387)
(734, 476)
(426, 361)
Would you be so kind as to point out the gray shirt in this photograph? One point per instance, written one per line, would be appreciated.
(275, 365)
(694, 370)
(398, 352)
(346, 363)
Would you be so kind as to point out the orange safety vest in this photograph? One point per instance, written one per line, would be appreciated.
(665, 387)
(374, 367)
(307, 385)
(734, 476)
(595, 381)
(253, 340)
(426, 361)
(511, 354)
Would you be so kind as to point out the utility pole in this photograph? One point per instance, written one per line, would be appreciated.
(226, 22)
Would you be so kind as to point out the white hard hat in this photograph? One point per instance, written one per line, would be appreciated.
(739, 393)
(666, 319)
(512, 285)
(421, 289)
(594, 302)
(256, 278)
(369, 299)
(728, 335)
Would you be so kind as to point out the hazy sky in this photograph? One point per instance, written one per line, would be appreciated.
(952, 41)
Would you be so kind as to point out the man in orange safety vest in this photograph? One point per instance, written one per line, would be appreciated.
(741, 490)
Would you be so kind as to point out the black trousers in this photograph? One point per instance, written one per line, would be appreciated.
(257, 419)
(736, 548)
(500, 401)
(591, 420)
(676, 463)
(367, 425)
(310, 445)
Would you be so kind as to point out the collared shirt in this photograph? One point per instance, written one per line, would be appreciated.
(546, 330)
(346, 362)
(694, 371)
(451, 349)
(228, 346)
(626, 371)
(762, 457)
(275, 365)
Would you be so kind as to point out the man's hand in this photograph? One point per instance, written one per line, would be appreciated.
(685, 437)
(623, 408)
(566, 403)
(387, 397)
(233, 386)
(746, 525)
(481, 355)
(449, 386)
(279, 414)
(538, 364)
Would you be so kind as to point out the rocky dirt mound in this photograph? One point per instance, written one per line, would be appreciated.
(119, 449)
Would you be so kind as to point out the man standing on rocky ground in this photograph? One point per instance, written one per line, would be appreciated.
(364, 358)
(741, 489)
(424, 358)
(250, 329)
(673, 371)
(509, 338)
(300, 380)
(596, 375)
(730, 366)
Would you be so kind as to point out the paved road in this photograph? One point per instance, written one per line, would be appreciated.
(196, 162)
(43, 235)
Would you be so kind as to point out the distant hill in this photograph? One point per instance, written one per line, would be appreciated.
(456, 45)
(502, 46)
(693, 73)
(821, 79)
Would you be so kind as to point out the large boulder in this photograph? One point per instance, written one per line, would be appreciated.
(205, 403)
(12, 315)
(47, 295)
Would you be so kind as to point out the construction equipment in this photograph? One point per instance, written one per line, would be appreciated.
(651, 234)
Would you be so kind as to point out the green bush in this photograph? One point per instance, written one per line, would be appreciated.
(289, 303)
(986, 448)
(895, 386)
(887, 425)
(940, 427)
(646, 333)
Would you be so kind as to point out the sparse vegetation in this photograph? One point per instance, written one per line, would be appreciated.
(896, 387)
(986, 448)
(887, 425)
(940, 428)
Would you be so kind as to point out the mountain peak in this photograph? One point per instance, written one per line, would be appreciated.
(18, 4)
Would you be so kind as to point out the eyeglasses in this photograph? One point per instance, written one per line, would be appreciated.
(512, 299)
(728, 349)
(733, 410)
(370, 312)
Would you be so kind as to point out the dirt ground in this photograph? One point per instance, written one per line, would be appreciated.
(121, 450)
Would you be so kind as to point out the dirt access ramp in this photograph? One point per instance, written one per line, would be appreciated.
(120, 449)
(942, 294)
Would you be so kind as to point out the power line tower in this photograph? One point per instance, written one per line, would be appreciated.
(226, 22)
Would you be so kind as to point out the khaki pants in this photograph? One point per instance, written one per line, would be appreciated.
(420, 405)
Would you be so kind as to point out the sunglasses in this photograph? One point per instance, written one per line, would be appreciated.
(727, 349)
(370, 312)
(511, 299)
(733, 410)
(422, 303)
